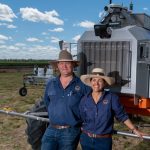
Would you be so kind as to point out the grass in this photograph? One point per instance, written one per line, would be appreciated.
(12, 129)
(130, 143)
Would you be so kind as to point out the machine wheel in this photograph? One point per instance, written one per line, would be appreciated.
(23, 91)
(35, 129)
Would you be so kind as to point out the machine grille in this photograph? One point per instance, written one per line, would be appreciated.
(114, 57)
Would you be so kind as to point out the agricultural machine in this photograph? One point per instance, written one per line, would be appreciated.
(120, 44)
(39, 77)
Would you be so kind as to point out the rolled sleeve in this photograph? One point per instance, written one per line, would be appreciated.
(118, 109)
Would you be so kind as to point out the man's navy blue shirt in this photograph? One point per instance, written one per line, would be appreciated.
(63, 104)
(99, 118)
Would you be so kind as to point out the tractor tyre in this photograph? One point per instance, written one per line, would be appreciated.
(35, 129)
(23, 91)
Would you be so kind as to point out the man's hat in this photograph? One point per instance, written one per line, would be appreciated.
(97, 73)
(64, 55)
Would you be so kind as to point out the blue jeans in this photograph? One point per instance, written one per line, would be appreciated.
(60, 139)
(88, 143)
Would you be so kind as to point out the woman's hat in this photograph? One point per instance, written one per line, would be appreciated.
(97, 73)
(64, 55)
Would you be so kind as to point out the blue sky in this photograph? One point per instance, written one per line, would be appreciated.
(31, 29)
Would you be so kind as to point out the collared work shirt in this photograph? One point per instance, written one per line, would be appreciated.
(99, 118)
(63, 104)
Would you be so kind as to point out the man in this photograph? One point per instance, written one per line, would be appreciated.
(62, 98)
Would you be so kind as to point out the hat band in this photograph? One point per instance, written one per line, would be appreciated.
(98, 73)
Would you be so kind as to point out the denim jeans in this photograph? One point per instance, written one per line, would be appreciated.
(88, 143)
(60, 139)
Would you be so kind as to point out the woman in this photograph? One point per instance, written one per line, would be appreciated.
(98, 109)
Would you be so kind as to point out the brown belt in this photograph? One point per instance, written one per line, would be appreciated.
(97, 135)
(59, 126)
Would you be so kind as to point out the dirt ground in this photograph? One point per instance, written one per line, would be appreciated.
(12, 129)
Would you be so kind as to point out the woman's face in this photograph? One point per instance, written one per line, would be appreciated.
(97, 84)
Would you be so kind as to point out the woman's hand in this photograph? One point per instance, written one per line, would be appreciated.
(134, 129)
(138, 133)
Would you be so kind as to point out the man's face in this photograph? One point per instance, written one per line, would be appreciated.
(65, 67)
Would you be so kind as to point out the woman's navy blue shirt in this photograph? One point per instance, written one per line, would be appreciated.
(99, 118)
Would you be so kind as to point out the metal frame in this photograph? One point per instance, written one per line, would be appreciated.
(40, 118)
(36, 79)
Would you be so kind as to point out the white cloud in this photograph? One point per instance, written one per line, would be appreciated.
(44, 33)
(57, 30)
(86, 24)
(55, 39)
(32, 39)
(28, 52)
(34, 15)
(46, 37)
(12, 47)
(2, 42)
(9, 47)
(3, 46)
(145, 9)
(20, 44)
(11, 26)
(4, 38)
(6, 13)
(3, 24)
(76, 38)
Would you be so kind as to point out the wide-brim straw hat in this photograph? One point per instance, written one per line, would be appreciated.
(64, 55)
(97, 73)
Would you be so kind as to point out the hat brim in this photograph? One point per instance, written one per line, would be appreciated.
(86, 79)
(54, 62)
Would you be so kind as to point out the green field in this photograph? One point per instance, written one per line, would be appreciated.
(8, 63)
(12, 129)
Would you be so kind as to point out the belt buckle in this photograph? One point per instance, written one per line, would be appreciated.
(61, 127)
(94, 135)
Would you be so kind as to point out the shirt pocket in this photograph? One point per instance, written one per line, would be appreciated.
(77, 94)
(74, 97)
(88, 114)
(104, 113)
